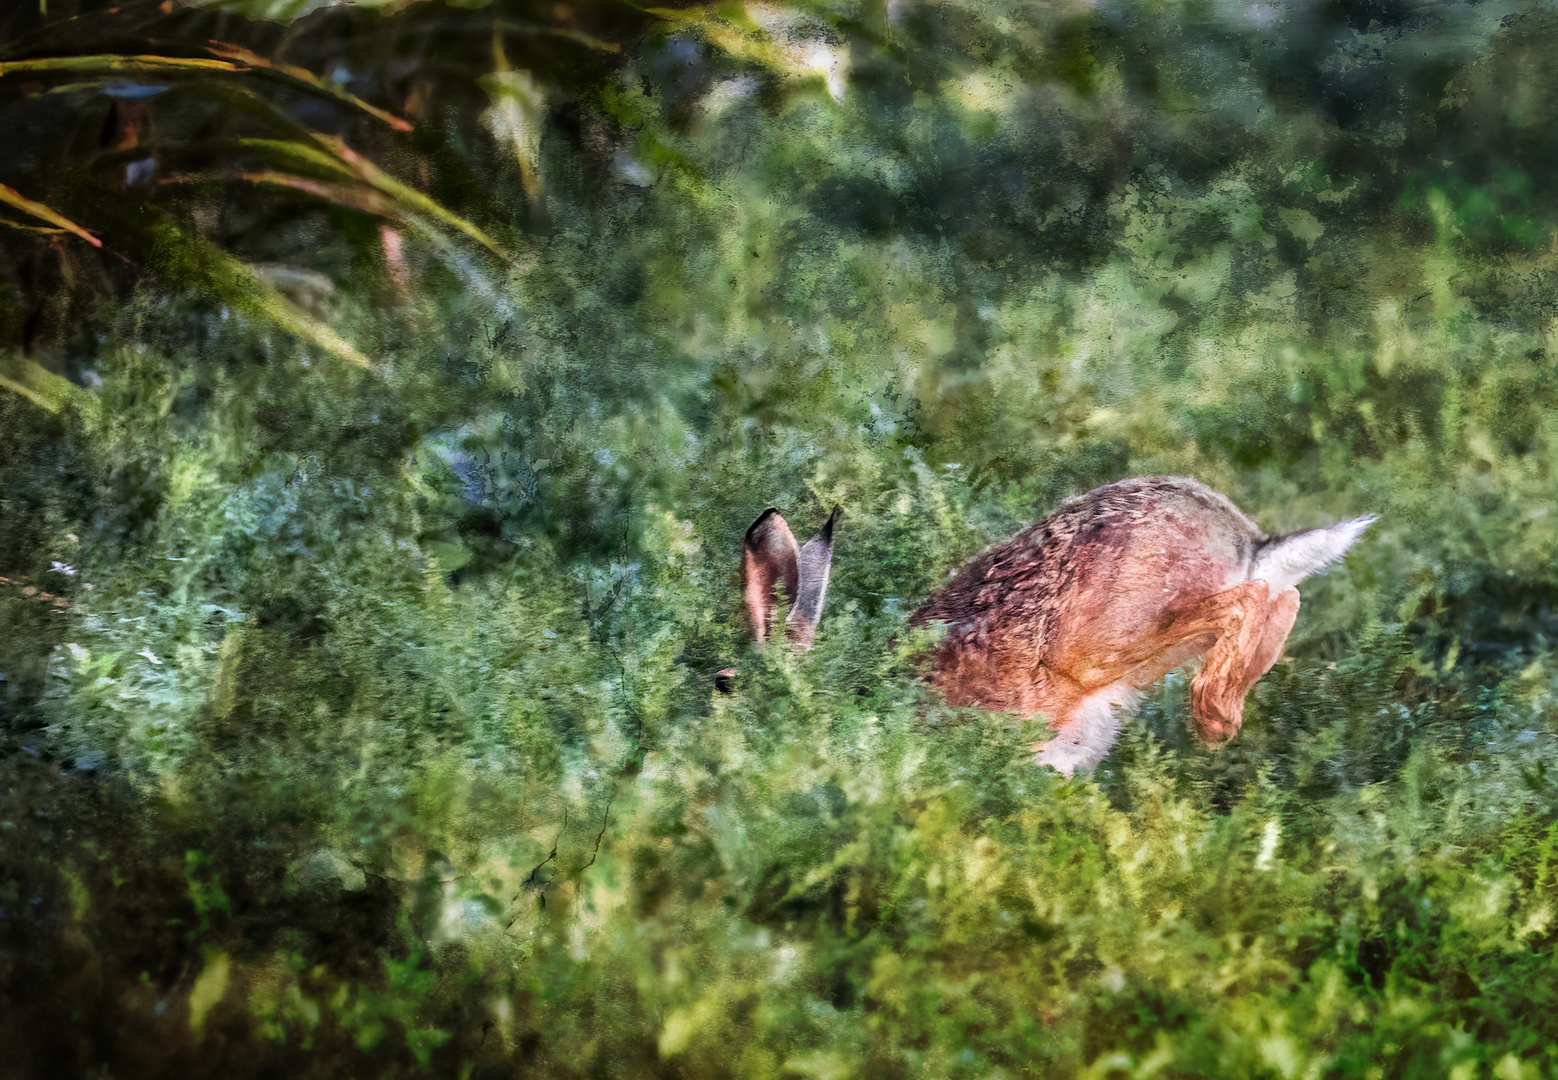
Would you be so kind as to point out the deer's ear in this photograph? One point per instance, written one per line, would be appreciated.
(770, 559)
(814, 562)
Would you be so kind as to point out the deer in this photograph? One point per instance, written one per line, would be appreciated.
(1073, 619)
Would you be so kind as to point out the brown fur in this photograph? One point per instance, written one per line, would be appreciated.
(768, 564)
(1089, 595)
(1082, 610)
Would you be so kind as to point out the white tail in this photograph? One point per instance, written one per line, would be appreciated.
(1079, 613)
(1284, 561)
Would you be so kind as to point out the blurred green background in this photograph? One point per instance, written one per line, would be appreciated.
(385, 390)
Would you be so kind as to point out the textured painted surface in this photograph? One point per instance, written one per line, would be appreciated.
(371, 492)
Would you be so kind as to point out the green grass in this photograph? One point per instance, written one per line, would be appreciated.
(374, 731)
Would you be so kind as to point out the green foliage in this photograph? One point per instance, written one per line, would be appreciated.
(358, 718)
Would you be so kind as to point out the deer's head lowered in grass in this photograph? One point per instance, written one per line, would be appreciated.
(1078, 614)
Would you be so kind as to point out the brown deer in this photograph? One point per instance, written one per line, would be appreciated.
(1078, 614)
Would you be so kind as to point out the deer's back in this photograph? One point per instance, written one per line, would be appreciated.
(1102, 570)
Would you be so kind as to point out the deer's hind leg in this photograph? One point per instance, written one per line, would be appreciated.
(1241, 630)
(1244, 652)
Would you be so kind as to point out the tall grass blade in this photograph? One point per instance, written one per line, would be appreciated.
(11, 197)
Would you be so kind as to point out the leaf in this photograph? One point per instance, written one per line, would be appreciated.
(301, 152)
(42, 387)
(208, 990)
(11, 197)
(347, 195)
(512, 26)
(293, 73)
(742, 42)
(331, 154)
(194, 261)
(409, 196)
(117, 64)
(228, 59)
